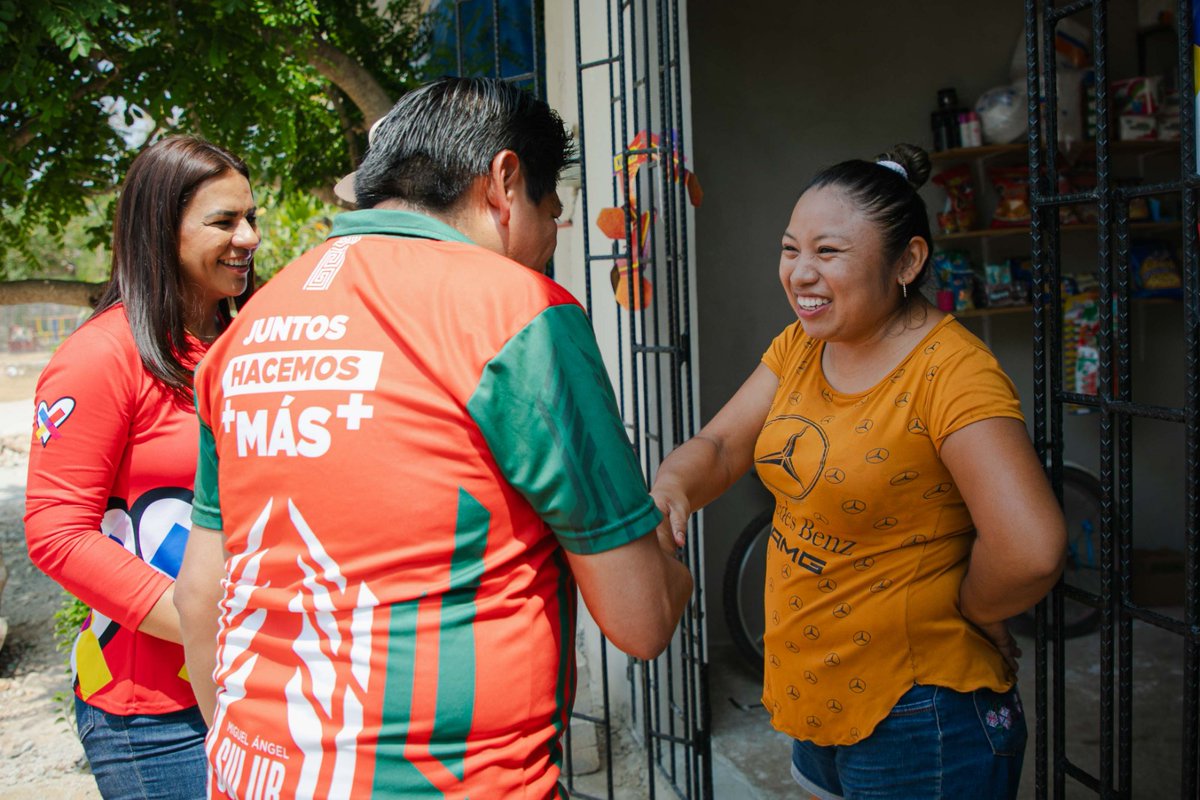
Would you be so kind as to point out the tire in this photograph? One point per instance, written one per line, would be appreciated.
(745, 575)
(1082, 499)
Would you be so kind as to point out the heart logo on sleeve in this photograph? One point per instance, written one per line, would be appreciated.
(51, 418)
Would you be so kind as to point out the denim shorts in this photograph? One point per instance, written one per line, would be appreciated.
(936, 744)
(145, 756)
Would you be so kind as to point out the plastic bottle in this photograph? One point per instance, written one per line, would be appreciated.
(974, 137)
(964, 129)
(940, 140)
(948, 103)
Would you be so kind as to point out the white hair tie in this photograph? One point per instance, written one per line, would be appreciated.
(894, 167)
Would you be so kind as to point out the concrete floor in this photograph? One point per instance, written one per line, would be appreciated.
(750, 759)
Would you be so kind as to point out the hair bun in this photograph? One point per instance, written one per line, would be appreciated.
(914, 160)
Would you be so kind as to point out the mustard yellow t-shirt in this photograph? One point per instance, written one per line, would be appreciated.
(870, 537)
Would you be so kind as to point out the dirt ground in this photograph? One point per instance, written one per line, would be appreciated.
(40, 756)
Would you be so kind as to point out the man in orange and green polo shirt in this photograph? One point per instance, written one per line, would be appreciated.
(410, 456)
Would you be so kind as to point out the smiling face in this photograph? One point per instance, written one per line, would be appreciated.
(218, 234)
(833, 269)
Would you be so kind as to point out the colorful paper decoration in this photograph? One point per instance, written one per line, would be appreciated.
(631, 288)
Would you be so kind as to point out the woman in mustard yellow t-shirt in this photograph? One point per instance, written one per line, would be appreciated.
(912, 515)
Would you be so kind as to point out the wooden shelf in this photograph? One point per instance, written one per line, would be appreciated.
(1026, 307)
(1135, 228)
(968, 153)
(991, 312)
(1140, 147)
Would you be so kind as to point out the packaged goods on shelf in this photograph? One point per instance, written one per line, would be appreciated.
(959, 213)
(1080, 332)
(1155, 270)
(1012, 186)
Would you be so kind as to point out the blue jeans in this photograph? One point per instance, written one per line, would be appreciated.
(936, 744)
(145, 756)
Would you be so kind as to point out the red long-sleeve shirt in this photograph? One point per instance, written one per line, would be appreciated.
(108, 509)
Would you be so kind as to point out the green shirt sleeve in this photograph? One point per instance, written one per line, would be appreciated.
(547, 410)
(206, 502)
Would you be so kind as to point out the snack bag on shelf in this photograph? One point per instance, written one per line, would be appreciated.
(998, 285)
(962, 284)
(1021, 268)
(1087, 370)
(1155, 270)
(959, 214)
(1067, 215)
(1140, 96)
(1012, 186)
(1081, 327)
(946, 263)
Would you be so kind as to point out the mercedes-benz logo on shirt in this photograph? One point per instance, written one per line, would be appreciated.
(854, 506)
(792, 692)
(809, 676)
(857, 685)
(885, 523)
(861, 638)
(901, 478)
(813, 721)
(811, 632)
(841, 610)
(936, 491)
(916, 426)
(863, 564)
(834, 706)
(794, 468)
(832, 659)
(795, 603)
(878, 456)
(791, 646)
(827, 585)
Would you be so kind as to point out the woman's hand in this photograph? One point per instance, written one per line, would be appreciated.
(999, 635)
(673, 503)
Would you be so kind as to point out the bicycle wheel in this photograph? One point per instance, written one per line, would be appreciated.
(1081, 511)
(745, 572)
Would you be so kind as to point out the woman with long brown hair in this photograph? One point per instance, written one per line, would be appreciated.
(111, 469)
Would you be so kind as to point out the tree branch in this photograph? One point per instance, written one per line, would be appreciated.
(350, 76)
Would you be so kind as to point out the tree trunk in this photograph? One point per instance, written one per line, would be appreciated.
(350, 76)
(67, 293)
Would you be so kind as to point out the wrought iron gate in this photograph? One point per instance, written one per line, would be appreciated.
(1114, 402)
(628, 56)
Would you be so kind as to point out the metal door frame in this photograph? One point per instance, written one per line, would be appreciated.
(643, 61)
(1114, 403)
(669, 695)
